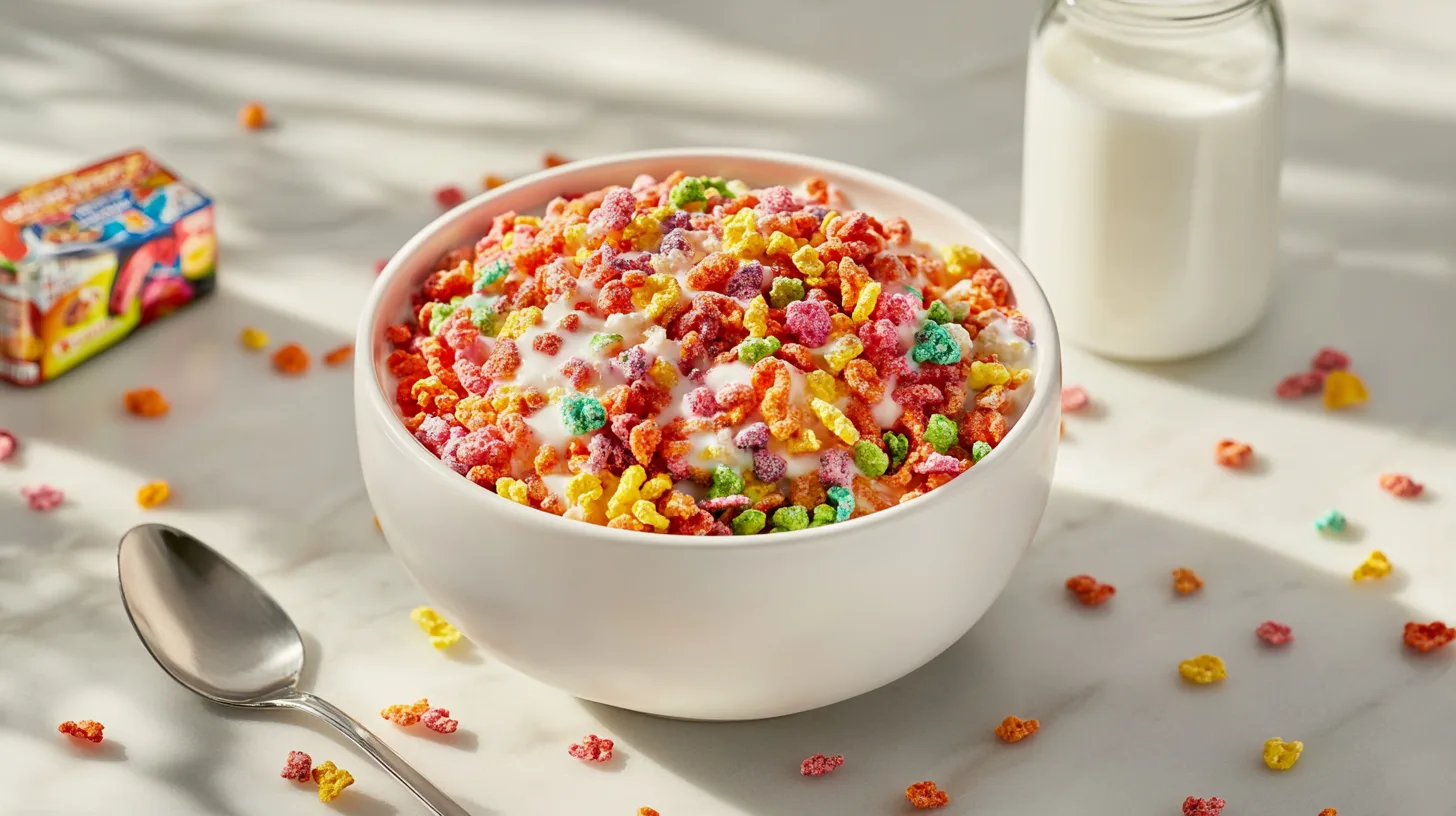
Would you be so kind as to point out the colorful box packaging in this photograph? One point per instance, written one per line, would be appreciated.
(89, 256)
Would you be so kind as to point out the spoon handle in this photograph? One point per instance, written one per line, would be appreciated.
(432, 796)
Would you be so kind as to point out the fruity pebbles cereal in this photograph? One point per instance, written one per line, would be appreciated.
(693, 356)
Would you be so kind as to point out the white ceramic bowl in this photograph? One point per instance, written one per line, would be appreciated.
(706, 628)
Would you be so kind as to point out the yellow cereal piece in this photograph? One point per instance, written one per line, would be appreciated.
(985, 375)
(331, 781)
(806, 259)
(508, 241)
(1280, 755)
(864, 306)
(1019, 377)
(581, 256)
(755, 317)
(805, 441)
(656, 486)
(835, 420)
(583, 487)
(575, 237)
(781, 244)
(841, 351)
(713, 453)
(644, 231)
(960, 260)
(646, 512)
(1203, 669)
(528, 220)
(741, 236)
(657, 294)
(821, 385)
(840, 324)
(442, 634)
(629, 490)
(153, 494)
(1343, 389)
(828, 222)
(255, 339)
(518, 321)
(663, 373)
(753, 488)
(662, 213)
(555, 394)
(817, 239)
(513, 489)
(1376, 566)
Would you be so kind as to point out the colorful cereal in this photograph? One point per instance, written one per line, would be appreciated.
(42, 497)
(298, 767)
(146, 402)
(85, 729)
(819, 764)
(592, 748)
(1274, 633)
(1203, 669)
(926, 796)
(254, 339)
(8, 444)
(1396, 484)
(1427, 637)
(1186, 581)
(291, 360)
(1088, 591)
(1015, 729)
(1212, 806)
(253, 116)
(331, 781)
(1342, 390)
(1280, 755)
(1233, 454)
(153, 494)
(1374, 567)
(442, 634)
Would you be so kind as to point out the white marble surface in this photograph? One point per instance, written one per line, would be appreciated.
(378, 102)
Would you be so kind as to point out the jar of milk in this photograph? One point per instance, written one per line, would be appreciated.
(1150, 197)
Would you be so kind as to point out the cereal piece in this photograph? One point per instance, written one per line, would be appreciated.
(1074, 399)
(1203, 669)
(1274, 633)
(298, 767)
(1376, 566)
(785, 290)
(1300, 385)
(1233, 454)
(442, 634)
(868, 298)
(490, 182)
(1342, 390)
(1426, 637)
(803, 441)
(42, 497)
(1088, 591)
(690, 190)
(940, 432)
(8, 444)
(925, 796)
(438, 720)
(741, 237)
(646, 512)
(768, 467)
(647, 811)
(960, 260)
(819, 765)
(749, 522)
(870, 460)
(822, 515)
(85, 729)
(835, 420)
(146, 402)
(1212, 806)
(582, 414)
(1280, 755)
(1332, 521)
(550, 160)
(806, 260)
(449, 197)
(898, 446)
(793, 517)
(842, 500)
(1396, 484)
(592, 749)
(1014, 729)
(753, 349)
(809, 321)
(254, 339)
(933, 344)
(726, 482)
(1328, 812)
(406, 715)
(985, 375)
(1186, 581)
(153, 494)
(253, 116)
(331, 781)
(843, 349)
(1330, 359)
(339, 355)
(979, 450)
(291, 360)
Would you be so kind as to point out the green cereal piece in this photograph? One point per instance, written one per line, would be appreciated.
(792, 517)
(748, 522)
(753, 349)
(582, 413)
(720, 184)
(899, 447)
(492, 273)
(726, 482)
(785, 290)
(483, 314)
(870, 460)
(605, 344)
(687, 191)
(941, 432)
(979, 450)
(960, 311)
(843, 502)
(1332, 521)
(823, 515)
(939, 312)
(438, 315)
(934, 344)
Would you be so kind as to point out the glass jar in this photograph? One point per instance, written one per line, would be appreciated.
(1150, 189)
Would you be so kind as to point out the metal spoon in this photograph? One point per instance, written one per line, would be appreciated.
(218, 633)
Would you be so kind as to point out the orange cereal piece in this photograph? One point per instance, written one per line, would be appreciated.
(644, 439)
(146, 402)
(1232, 454)
(1089, 591)
(253, 116)
(406, 715)
(153, 494)
(549, 160)
(340, 355)
(925, 796)
(85, 729)
(1399, 484)
(1186, 581)
(1015, 729)
(291, 360)
(490, 182)
(1328, 812)
(1427, 637)
(647, 811)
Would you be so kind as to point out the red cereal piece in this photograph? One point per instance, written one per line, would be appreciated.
(592, 748)
(1396, 484)
(8, 444)
(547, 343)
(85, 729)
(1427, 637)
(1089, 591)
(438, 719)
(1300, 385)
(819, 765)
(1232, 454)
(1015, 729)
(253, 116)
(291, 360)
(1273, 633)
(1212, 806)
(339, 355)
(925, 796)
(1074, 399)
(647, 811)
(449, 197)
(42, 497)
(146, 402)
(299, 767)
(1330, 359)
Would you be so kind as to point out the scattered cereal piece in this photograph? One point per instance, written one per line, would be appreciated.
(299, 767)
(42, 497)
(1300, 385)
(1280, 755)
(1186, 581)
(449, 197)
(1274, 633)
(442, 634)
(339, 355)
(255, 339)
(549, 160)
(1328, 812)
(438, 719)
(253, 116)
(1426, 637)
(1332, 521)
(331, 781)
(490, 182)
(647, 811)
(1014, 729)
(1074, 399)
(85, 729)
(819, 765)
(1212, 806)
(592, 748)
(153, 494)
(291, 359)
(146, 402)
(1343, 389)
(1396, 484)
(8, 444)
(406, 715)
(1233, 454)
(1203, 669)
(925, 795)
(1376, 566)
(1089, 591)
(1330, 359)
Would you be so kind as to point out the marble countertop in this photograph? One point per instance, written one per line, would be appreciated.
(379, 101)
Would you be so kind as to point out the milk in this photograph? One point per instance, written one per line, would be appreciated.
(1151, 184)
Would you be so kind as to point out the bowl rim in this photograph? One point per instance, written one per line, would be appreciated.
(1045, 374)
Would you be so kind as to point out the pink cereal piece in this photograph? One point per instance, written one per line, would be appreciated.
(1300, 385)
(299, 767)
(1396, 484)
(1074, 399)
(879, 338)
(1212, 806)
(592, 748)
(701, 402)
(42, 497)
(1273, 633)
(753, 436)
(939, 463)
(769, 467)
(1330, 359)
(733, 502)
(835, 468)
(7, 444)
(438, 719)
(809, 320)
(819, 765)
(449, 197)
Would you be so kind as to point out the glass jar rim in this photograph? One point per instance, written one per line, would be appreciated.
(1158, 12)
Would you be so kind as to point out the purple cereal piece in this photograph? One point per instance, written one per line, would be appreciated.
(818, 212)
(834, 468)
(632, 263)
(746, 283)
(720, 529)
(615, 212)
(725, 503)
(632, 363)
(675, 241)
(810, 321)
(606, 453)
(433, 433)
(701, 402)
(776, 200)
(753, 436)
(767, 467)
(938, 463)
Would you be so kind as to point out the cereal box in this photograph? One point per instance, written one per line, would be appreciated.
(89, 256)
